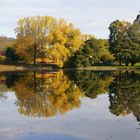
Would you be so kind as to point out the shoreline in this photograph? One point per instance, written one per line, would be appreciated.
(8, 68)
(51, 68)
(110, 68)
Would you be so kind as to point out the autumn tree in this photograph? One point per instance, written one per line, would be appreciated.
(32, 35)
(46, 37)
(65, 41)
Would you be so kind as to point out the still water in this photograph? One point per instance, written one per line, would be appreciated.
(74, 105)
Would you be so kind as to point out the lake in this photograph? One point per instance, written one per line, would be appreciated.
(70, 105)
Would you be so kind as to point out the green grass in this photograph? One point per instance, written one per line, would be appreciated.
(7, 68)
(26, 67)
(137, 67)
(41, 67)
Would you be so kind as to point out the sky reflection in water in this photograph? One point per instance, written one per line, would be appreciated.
(80, 105)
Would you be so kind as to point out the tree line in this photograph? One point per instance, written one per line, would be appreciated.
(45, 39)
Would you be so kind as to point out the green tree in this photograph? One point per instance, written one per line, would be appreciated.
(133, 40)
(11, 55)
(87, 55)
(105, 56)
(116, 39)
(124, 41)
(94, 51)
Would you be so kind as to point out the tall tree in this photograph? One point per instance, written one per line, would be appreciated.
(116, 39)
(32, 34)
(124, 41)
(39, 37)
(133, 39)
(65, 41)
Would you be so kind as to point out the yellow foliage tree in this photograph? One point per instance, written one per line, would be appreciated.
(46, 37)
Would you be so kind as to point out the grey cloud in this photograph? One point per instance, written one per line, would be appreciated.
(91, 16)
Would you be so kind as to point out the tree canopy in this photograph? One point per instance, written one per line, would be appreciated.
(124, 41)
(93, 51)
(46, 38)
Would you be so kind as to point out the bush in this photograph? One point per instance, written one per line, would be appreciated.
(2, 58)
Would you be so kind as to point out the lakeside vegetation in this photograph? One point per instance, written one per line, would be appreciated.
(47, 40)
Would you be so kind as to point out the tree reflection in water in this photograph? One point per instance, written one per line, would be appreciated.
(45, 95)
(3, 88)
(124, 94)
(91, 83)
(48, 94)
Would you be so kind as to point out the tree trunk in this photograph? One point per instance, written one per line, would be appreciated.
(120, 62)
(35, 84)
(132, 63)
(126, 63)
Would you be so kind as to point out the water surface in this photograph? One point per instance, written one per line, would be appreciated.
(76, 105)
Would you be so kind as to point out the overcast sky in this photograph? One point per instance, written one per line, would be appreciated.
(91, 16)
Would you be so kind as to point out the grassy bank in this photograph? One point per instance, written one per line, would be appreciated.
(26, 67)
(49, 67)
(9, 68)
(105, 68)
